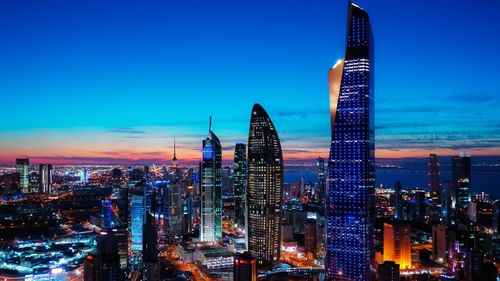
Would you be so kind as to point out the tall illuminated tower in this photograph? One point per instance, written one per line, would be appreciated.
(174, 159)
(321, 185)
(397, 243)
(211, 185)
(264, 189)
(434, 178)
(240, 181)
(23, 170)
(45, 178)
(350, 202)
(461, 179)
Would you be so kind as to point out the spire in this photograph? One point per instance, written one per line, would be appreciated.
(210, 125)
(175, 157)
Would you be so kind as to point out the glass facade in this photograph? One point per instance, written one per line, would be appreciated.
(461, 175)
(240, 182)
(45, 178)
(23, 170)
(321, 185)
(350, 200)
(211, 188)
(265, 189)
(137, 220)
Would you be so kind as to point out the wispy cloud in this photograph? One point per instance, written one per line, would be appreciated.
(126, 130)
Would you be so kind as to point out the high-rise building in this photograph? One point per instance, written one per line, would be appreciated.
(264, 189)
(23, 170)
(137, 219)
(434, 179)
(439, 243)
(211, 188)
(45, 178)
(446, 203)
(150, 251)
(397, 243)
(388, 271)
(310, 238)
(240, 182)
(398, 201)
(245, 267)
(417, 206)
(187, 214)
(321, 185)
(104, 265)
(461, 179)
(107, 214)
(175, 220)
(351, 191)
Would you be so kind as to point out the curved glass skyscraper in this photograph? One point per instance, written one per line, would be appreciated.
(211, 184)
(350, 199)
(264, 189)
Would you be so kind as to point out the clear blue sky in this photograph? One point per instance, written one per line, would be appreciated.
(104, 80)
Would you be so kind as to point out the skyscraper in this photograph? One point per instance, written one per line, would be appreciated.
(397, 243)
(321, 185)
(461, 178)
(45, 178)
(398, 202)
(175, 220)
(104, 265)
(211, 188)
(240, 182)
(264, 189)
(23, 170)
(350, 203)
(137, 219)
(434, 178)
(107, 213)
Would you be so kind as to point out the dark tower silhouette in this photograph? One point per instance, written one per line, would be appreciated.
(240, 181)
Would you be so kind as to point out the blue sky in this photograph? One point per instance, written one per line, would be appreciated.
(104, 80)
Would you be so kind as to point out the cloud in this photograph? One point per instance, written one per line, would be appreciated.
(126, 130)
(472, 97)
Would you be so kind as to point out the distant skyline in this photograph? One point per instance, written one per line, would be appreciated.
(86, 82)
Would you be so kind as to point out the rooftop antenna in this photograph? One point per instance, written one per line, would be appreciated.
(210, 124)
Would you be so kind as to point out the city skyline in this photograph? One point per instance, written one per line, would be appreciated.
(87, 98)
(357, 161)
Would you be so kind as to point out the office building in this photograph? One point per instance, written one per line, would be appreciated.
(23, 170)
(321, 184)
(240, 182)
(351, 191)
(310, 238)
(439, 243)
(175, 220)
(434, 179)
(397, 243)
(104, 265)
(461, 179)
(45, 178)
(264, 189)
(211, 188)
(245, 267)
